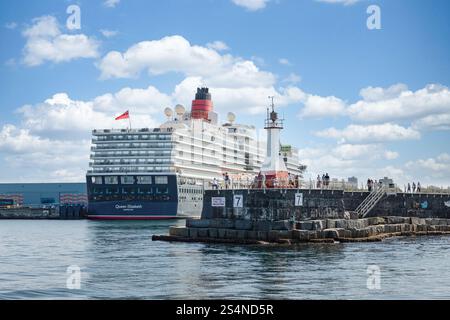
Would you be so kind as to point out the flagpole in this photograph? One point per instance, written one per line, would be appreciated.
(129, 119)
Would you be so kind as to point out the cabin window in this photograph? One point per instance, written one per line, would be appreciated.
(111, 180)
(96, 180)
(161, 180)
(127, 180)
(144, 179)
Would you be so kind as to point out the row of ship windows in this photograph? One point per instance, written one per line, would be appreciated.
(115, 197)
(134, 137)
(129, 169)
(130, 180)
(133, 145)
(130, 191)
(131, 161)
(131, 153)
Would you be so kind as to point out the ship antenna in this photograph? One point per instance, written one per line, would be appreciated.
(273, 105)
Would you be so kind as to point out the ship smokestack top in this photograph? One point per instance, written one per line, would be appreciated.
(203, 94)
(202, 106)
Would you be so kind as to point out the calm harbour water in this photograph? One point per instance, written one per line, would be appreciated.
(118, 260)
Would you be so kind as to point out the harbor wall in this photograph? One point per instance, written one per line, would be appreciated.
(65, 212)
(279, 204)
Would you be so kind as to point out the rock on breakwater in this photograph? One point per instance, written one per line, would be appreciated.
(287, 232)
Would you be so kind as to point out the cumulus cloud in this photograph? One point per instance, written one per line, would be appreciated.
(11, 25)
(30, 158)
(370, 133)
(284, 61)
(45, 42)
(251, 5)
(397, 103)
(218, 46)
(176, 54)
(432, 170)
(111, 3)
(317, 107)
(108, 33)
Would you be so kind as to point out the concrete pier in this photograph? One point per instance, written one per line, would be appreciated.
(290, 216)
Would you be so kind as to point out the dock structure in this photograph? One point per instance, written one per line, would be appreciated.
(287, 216)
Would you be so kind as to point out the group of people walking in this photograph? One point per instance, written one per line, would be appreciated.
(373, 184)
(414, 187)
(323, 182)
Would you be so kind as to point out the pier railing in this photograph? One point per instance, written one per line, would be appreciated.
(235, 184)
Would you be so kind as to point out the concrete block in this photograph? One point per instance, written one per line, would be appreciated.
(285, 234)
(331, 233)
(348, 234)
(202, 233)
(241, 234)
(221, 223)
(193, 233)
(397, 220)
(330, 223)
(263, 235)
(198, 223)
(318, 224)
(179, 231)
(222, 233)
(302, 235)
(243, 224)
(231, 234)
(253, 235)
(341, 223)
(305, 225)
(282, 225)
(213, 233)
(262, 226)
(274, 235)
(373, 221)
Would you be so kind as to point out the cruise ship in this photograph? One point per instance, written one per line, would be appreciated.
(161, 173)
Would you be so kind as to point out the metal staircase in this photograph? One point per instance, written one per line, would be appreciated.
(370, 201)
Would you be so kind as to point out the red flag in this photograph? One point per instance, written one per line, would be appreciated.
(126, 115)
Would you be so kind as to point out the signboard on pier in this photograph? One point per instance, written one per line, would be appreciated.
(299, 199)
(238, 201)
(218, 201)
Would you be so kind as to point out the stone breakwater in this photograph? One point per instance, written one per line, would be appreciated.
(287, 232)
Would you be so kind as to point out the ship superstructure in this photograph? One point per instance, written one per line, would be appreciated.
(157, 173)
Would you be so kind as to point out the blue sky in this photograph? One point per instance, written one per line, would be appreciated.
(356, 101)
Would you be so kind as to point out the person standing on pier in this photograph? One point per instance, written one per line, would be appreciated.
(318, 181)
(414, 187)
(418, 187)
(409, 188)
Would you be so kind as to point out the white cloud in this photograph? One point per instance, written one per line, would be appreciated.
(251, 5)
(292, 78)
(61, 115)
(284, 61)
(30, 158)
(11, 25)
(433, 122)
(108, 33)
(399, 103)
(111, 3)
(431, 170)
(251, 100)
(370, 133)
(344, 2)
(317, 107)
(218, 46)
(176, 54)
(45, 42)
